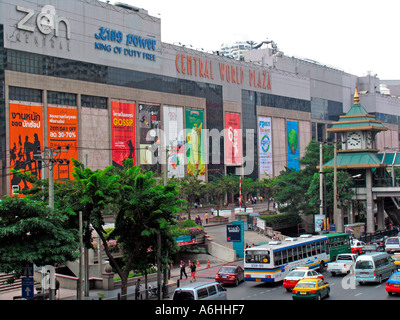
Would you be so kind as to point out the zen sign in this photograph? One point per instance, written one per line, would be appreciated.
(233, 233)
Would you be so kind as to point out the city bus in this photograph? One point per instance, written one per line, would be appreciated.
(271, 262)
(338, 243)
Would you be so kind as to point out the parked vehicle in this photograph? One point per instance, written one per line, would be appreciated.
(393, 284)
(311, 289)
(290, 281)
(396, 259)
(371, 247)
(392, 244)
(343, 264)
(202, 290)
(356, 246)
(230, 275)
(374, 267)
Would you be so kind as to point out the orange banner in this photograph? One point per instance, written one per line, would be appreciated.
(63, 138)
(26, 138)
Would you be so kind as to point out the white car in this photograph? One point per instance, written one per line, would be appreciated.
(290, 281)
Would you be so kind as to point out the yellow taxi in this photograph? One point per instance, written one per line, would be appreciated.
(311, 289)
(396, 259)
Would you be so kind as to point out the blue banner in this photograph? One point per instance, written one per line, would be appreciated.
(292, 133)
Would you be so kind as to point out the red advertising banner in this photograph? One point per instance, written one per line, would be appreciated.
(26, 138)
(63, 133)
(123, 131)
(233, 139)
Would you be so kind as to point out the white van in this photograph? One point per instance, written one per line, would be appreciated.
(374, 267)
(202, 290)
(392, 244)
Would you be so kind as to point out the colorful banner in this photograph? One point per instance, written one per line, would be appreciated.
(26, 139)
(123, 131)
(233, 139)
(265, 146)
(149, 127)
(63, 132)
(195, 142)
(173, 129)
(292, 128)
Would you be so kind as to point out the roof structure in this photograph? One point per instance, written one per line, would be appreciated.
(357, 119)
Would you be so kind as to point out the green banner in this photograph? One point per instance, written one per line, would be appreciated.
(195, 142)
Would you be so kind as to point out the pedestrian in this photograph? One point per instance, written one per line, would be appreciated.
(212, 212)
(137, 289)
(206, 217)
(193, 272)
(183, 266)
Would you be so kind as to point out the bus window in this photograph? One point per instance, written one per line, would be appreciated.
(257, 256)
(278, 258)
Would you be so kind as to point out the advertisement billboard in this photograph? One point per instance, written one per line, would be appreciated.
(292, 133)
(149, 133)
(63, 132)
(233, 139)
(26, 139)
(123, 131)
(195, 156)
(173, 130)
(265, 145)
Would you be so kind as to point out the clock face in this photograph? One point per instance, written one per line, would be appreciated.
(353, 139)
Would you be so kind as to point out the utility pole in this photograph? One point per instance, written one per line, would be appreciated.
(321, 180)
(337, 217)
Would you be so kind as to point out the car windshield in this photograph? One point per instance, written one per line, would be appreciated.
(396, 258)
(306, 285)
(339, 257)
(296, 274)
(257, 256)
(395, 277)
(364, 264)
(183, 295)
(392, 241)
(227, 270)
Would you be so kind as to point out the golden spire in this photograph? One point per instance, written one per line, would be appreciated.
(356, 97)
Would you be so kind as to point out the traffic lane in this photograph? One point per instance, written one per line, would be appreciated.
(342, 288)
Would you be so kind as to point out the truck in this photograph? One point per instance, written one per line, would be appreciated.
(344, 263)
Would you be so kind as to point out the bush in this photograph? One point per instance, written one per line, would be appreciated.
(281, 220)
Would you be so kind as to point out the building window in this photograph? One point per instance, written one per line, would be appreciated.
(25, 94)
(93, 102)
(61, 98)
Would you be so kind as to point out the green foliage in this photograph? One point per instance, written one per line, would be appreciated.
(279, 220)
(31, 233)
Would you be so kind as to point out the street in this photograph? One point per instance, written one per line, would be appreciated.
(342, 288)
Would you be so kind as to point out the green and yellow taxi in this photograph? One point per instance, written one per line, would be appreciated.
(396, 259)
(311, 289)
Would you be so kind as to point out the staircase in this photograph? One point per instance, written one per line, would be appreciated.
(392, 209)
(7, 283)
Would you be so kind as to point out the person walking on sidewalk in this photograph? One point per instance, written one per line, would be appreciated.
(193, 272)
(183, 271)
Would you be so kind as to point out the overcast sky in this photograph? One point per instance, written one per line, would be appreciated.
(357, 36)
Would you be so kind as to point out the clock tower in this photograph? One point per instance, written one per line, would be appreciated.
(357, 129)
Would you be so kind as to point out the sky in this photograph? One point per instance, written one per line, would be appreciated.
(356, 36)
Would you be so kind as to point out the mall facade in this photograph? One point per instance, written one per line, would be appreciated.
(94, 82)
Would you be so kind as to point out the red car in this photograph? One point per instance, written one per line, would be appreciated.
(230, 275)
(290, 281)
(393, 283)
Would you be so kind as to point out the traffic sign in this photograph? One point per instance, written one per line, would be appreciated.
(28, 270)
(27, 288)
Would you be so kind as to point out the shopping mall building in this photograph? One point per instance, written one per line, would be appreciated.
(94, 82)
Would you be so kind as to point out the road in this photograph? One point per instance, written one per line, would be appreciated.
(342, 288)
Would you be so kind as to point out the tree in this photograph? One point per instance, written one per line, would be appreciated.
(190, 188)
(31, 233)
(144, 208)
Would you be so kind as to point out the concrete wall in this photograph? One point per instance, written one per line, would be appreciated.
(220, 251)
